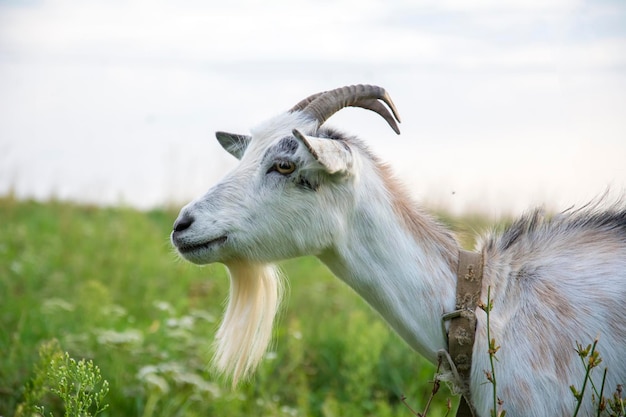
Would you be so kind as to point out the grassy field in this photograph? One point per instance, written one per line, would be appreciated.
(106, 284)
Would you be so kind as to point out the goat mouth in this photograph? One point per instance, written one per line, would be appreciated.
(187, 248)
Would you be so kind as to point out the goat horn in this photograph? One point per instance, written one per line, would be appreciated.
(323, 105)
(303, 103)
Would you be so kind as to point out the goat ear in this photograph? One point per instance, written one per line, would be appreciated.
(233, 143)
(333, 155)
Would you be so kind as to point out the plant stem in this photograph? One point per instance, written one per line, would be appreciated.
(588, 366)
(492, 353)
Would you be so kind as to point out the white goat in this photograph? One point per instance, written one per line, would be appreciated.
(305, 189)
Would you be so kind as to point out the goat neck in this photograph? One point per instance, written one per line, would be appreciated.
(398, 259)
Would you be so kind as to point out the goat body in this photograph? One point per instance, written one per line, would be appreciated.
(304, 189)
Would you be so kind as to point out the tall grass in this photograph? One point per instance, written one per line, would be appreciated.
(105, 283)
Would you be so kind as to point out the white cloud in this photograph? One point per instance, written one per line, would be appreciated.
(221, 30)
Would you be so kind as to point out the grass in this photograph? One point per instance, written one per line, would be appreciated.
(106, 284)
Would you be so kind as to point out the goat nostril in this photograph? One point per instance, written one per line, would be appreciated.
(183, 223)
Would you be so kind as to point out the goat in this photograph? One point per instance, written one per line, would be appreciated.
(302, 188)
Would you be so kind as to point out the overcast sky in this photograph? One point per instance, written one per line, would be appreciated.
(505, 104)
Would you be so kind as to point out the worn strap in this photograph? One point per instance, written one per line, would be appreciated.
(463, 323)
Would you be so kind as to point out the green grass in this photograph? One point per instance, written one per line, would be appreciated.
(106, 283)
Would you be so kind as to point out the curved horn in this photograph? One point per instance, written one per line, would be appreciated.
(303, 103)
(323, 105)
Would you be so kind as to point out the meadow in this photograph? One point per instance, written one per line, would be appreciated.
(106, 284)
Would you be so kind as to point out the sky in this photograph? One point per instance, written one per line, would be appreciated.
(504, 105)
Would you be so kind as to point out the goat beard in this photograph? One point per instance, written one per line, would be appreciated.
(246, 329)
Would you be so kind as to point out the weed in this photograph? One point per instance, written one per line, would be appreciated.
(497, 410)
(78, 385)
(436, 385)
(612, 406)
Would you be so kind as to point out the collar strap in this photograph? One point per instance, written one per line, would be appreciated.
(463, 321)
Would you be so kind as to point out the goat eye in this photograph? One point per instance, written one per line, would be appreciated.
(285, 167)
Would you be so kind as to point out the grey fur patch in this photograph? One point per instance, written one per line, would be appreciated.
(287, 145)
(536, 227)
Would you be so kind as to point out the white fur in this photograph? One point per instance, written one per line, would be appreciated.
(246, 329)
(557, 283)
